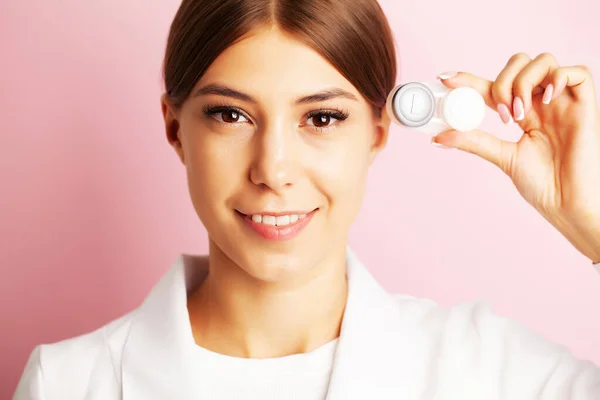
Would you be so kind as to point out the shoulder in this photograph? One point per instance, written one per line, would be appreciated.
(470, 340)
(73, 360)
(85, 349)
(473, 323)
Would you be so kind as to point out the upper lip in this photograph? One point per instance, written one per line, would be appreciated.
(277, 213)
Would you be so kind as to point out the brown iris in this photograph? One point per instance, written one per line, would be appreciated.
(230, 116)
(322, 120)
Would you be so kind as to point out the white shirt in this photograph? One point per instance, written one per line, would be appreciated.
(389, 347)
(299, 376)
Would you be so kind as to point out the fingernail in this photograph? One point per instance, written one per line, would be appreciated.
(518, 109)
(447, 75)
(439, 145)
(548, 94)
(504, 112)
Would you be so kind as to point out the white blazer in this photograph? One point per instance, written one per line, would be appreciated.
(390, 347)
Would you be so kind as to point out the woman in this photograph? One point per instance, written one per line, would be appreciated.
(276, 116)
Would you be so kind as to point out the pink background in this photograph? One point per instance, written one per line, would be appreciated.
(94, 205)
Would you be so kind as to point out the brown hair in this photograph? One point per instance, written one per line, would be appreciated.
(353, 35)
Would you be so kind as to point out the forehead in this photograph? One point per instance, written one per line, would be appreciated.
(270, 62)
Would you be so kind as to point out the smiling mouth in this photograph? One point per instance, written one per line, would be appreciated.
(283, 226)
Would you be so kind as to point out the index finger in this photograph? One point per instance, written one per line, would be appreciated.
(483, 86)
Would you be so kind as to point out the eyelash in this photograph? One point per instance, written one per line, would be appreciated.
(333, 112)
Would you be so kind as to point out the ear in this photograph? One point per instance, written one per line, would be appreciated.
(170, 116)
(380, 134)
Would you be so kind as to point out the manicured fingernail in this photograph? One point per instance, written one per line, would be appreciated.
(439, 145)
(518, 109)
(504, 112)
(548, 94)
(447, 75)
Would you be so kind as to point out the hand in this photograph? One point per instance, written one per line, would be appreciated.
(555, 165)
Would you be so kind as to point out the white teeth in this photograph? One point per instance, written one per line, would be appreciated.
(283, 220)
(277, 221)
(269, 220)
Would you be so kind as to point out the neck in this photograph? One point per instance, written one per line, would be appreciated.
(268, 319)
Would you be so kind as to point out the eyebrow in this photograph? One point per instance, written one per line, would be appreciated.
(323, 95)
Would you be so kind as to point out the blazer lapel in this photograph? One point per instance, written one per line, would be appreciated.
(157, 361)
(380, 354)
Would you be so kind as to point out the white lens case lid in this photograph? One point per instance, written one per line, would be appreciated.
(464, 109)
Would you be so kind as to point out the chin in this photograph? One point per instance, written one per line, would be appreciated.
(272, 266)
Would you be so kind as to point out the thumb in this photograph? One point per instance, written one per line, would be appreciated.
(489, 147)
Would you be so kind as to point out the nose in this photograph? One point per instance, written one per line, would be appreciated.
(275, 160)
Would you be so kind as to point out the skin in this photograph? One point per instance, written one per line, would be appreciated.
(274, 298)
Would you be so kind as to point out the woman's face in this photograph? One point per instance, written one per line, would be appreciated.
(272, 130)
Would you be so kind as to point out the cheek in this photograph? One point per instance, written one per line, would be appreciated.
(343, 170)
(211, 173)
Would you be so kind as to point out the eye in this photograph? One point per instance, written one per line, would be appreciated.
(229, 115)
(322, 119)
